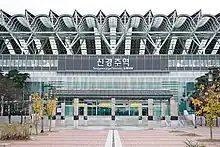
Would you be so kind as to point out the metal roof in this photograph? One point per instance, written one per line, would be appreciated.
(109, 34)
(134, 94)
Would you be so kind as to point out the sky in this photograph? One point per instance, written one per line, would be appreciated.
(110, 6)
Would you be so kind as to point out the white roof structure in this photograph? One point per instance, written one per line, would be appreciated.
(111, 34)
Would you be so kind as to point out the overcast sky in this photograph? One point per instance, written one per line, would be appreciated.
(110, 6)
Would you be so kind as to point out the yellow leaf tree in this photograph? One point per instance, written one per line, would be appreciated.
(37, 108)
(210, 106)
(51, 108)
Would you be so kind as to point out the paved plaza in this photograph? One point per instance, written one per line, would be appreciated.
(122, 137)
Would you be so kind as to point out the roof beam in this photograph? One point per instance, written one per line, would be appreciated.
(9, 46)
(68, 46)
(83, 46)
(128, 42)
(98, 44)
(142, 46)
(201, 49)
(216, 47)
(38, 46)
(172, 45)
(53, 45)
(187, 45)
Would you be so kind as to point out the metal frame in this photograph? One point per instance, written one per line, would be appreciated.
(76, 28)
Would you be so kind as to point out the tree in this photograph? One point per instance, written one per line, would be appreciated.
(210, 104)
(51, 108)
(203, 80)
(37, 108)
(9, 93)
(19, 80)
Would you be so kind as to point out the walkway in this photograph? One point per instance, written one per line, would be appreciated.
(164, 137)
(67, 138)
(123, 137)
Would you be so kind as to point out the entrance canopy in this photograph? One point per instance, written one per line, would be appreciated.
(159, 94)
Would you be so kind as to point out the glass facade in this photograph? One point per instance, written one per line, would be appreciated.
(179, 74)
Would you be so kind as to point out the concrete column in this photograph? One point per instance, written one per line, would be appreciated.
(85, 114)
(163, 110)
(163, 114)
(140, 114)
(129, 110)
(76, 112)
(150, 114)
(113, 109)
(173, 112)
(150, 109)
(96, 108)
(63, 111)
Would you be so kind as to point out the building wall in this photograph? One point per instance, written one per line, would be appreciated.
(180, 70)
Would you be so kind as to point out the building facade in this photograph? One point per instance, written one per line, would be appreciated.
(94, 58)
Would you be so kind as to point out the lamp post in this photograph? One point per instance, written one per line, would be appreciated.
(210, 80)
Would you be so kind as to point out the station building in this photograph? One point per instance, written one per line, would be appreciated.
(109, 64)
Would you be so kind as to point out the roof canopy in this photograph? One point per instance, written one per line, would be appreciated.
(131, 94)
(109, 34)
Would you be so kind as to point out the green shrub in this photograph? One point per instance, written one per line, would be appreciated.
(15, 132)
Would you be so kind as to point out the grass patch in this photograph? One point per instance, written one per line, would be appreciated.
(189, 134)
(15, 132)
(176, 131)
(208, 140)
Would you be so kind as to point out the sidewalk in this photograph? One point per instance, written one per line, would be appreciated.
(161, 137)
(164, 138)
(66, 138)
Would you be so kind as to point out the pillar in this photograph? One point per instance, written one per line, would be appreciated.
(76, 112)
(63, 111)
(113, 109)
(150, 109)
(163, 110)
(85, 114)
(173, 112)
(140, 114)
(150, 114)
(96, 108)
(163, 114)
(129, 108)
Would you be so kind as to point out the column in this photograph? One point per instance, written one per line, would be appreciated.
(76, 113)
(63, 111)
(96, 108)
(173, 112)
(163, 114)
(163, 110)
(129, 110)
(113, 109)
(150, 109)
(85, 114)
(150, 114)
(140, 114)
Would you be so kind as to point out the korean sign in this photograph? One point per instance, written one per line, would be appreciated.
(117, 63)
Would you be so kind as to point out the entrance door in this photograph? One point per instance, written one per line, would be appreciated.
(104, 111)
